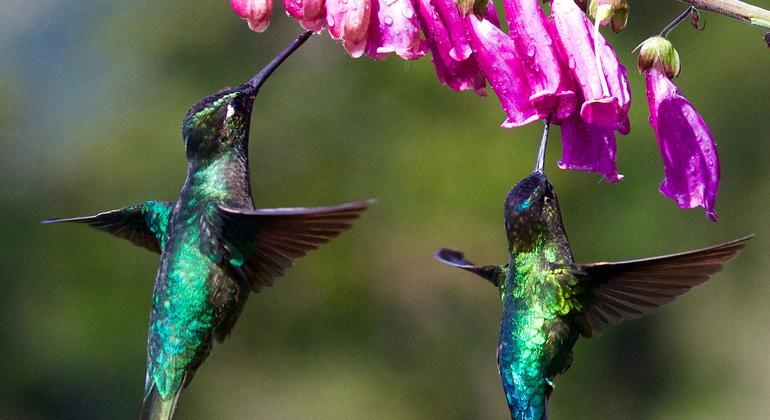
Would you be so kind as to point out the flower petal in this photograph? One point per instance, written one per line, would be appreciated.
(607, 94)
(394, 27)
(688, 150)
(458, 75)
(553, 90)
(255, 12)
(497, 57)
(455, 24)
(348, 20)
(311, 14)
(588, 148)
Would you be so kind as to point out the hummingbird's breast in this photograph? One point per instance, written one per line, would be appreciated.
(534, 338)
(184, 311)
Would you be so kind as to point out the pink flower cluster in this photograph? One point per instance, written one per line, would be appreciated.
(557, 68)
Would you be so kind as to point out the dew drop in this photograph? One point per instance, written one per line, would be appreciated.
(531, 50)
(408, 12)
(388, 20)
(571, 63)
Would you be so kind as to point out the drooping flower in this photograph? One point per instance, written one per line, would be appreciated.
(394, 28)
(552, 89)
(496, 54)
(348, 20)
(458, 74)
(601, 78)
(460, 43)
(311, 14)
(588, 148)
(255, 12)
(688, 150)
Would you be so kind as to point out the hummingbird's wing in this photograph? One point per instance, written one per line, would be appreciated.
(143, 224)
(609, 292)
(263, 243)
(457, 259)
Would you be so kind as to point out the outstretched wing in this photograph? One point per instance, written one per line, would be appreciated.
(262, 244)
(143, 224)
(609, 292)
(455, 258)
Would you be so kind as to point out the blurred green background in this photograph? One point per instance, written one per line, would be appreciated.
(369, 326)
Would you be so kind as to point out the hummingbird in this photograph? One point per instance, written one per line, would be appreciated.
(549, 301)
(215, 247)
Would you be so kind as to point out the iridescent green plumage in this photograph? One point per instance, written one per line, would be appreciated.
(215, 247)
(549, 301)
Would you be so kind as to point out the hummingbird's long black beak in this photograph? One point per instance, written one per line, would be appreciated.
(252, 86)
(540, 164)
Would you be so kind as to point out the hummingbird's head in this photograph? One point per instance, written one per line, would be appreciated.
(220, 122)
(530, 207)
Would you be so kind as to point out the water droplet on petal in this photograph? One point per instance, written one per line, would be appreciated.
(388, 20)
(408, 12)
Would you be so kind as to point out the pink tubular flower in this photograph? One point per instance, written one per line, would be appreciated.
(457, 74)
(460, 43)
(552, 87)
(496, 54)
(311, 14)
(394, 27)
(686, 146)
(588, 148)
(255, 12)
(602, 79)
(348, 20)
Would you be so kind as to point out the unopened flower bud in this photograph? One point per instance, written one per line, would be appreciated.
(658, 53)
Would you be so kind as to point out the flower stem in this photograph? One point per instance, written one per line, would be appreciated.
(674, 23)
(540, 164)
(735, 9)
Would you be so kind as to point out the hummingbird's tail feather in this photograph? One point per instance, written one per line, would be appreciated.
(154, 407)
(261, 244)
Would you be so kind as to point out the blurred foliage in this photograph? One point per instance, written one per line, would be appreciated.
(369, 326)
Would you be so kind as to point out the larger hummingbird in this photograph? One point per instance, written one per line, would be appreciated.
(215, 247)
(549, 300)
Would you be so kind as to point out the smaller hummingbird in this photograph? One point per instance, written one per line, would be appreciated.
(549, 300)
(215, 247)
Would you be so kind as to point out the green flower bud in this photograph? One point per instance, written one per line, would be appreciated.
(658, 52)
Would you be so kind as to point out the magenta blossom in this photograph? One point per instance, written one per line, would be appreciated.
(458, 74)
(348, 21)
(686, 146)
(255, 12)
(588, 148)
(311, 14)
(496, 54)
(394, 27)
(551, 87)
(602, 79)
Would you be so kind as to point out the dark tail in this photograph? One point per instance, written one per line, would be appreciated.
(155, 407)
